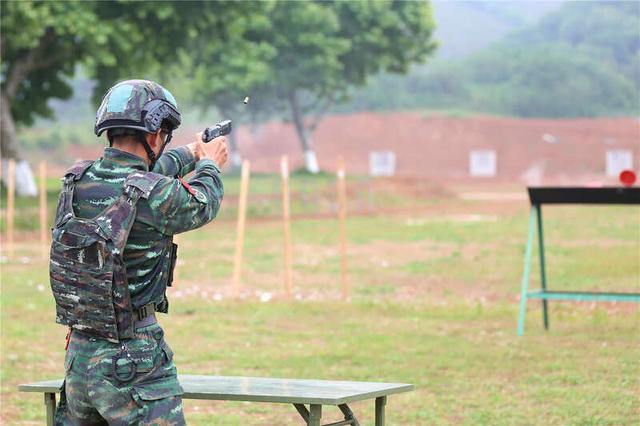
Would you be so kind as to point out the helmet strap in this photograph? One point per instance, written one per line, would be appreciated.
(150, 154)
(153, 158)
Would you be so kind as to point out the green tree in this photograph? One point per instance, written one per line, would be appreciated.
(309, 49)
(150, 38)
(364, 39)
(319, 49)
(220, 76)
(42, 42)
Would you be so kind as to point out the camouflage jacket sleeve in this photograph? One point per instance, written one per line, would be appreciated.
(175, 162)
(177, 206)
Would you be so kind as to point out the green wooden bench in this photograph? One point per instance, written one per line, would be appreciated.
(300, 393)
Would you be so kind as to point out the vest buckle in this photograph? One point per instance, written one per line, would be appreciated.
(146, 310)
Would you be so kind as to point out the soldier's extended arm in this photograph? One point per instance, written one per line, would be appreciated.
(181, 161)
(176, 162)
(177, 206)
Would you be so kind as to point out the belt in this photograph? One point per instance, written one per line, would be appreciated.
(145, 315)
(146, 321)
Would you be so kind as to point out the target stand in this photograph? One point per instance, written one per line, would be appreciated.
(566, 195)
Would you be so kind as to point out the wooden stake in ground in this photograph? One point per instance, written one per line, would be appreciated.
(11, 205)
(342, 216)
(242, 217)
(286, 216)
(44, 240)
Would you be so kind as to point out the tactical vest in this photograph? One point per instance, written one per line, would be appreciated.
(87, 272)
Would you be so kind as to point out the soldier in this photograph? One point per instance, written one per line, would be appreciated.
(112, 258)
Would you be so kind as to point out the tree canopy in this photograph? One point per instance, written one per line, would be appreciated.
(42, 43)
(300, 56)
(313, 52)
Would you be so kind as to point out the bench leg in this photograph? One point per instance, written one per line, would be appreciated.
(348, 415)
(50, 405)
(304, 413)
(315, 415)
(380, 403)
(311, 418)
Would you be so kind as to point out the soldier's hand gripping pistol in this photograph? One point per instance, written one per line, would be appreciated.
(221, 129)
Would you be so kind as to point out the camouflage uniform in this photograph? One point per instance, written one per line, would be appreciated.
(97, 389)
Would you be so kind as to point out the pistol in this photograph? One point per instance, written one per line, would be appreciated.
(221, 129)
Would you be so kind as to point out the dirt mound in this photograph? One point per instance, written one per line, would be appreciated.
(564, 151)
(437, 147)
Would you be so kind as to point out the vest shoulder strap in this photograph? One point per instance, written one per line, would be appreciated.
(76, 171)
(144, 182)
(116, 221)
(64, 211)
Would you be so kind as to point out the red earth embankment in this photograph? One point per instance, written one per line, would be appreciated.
(437, 147)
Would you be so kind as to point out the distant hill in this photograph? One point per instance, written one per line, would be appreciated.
(607, 31)
(582, 59)
(464, 27)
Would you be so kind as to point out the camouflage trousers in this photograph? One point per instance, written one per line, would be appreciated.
(126, 383)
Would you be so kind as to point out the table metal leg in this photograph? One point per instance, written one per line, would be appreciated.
(543, 273)
(380, 404)
(315, 414)
(50, 405)
(525, 273)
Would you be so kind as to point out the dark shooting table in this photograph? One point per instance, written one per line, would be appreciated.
(566, 195)
(314, 393)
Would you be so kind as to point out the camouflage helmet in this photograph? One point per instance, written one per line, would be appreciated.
(137, 104)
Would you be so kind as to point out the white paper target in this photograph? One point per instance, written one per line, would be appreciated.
(382, 163)
(482, 163)
(618, 160)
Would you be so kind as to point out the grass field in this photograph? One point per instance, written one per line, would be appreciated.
(435, 293)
